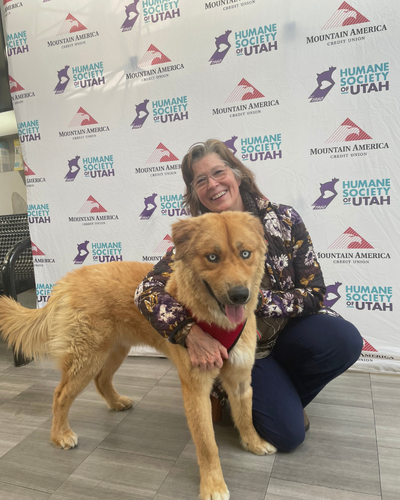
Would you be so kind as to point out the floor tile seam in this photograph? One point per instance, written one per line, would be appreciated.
(127, 452)
(324, 487)
(28, 489)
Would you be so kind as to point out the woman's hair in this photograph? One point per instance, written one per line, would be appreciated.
(199, 151)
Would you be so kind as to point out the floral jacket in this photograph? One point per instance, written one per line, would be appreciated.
(297, 286)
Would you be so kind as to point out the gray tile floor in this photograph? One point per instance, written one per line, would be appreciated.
(352, 451)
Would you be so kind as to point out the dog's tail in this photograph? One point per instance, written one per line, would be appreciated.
(26, 330)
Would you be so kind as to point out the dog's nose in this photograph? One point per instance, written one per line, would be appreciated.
(238, 294)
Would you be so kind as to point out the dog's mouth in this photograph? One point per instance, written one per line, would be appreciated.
(234, 312)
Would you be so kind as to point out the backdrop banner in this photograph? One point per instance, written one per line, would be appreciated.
(109, 96)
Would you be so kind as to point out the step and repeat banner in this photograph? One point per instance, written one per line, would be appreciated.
(109, 96)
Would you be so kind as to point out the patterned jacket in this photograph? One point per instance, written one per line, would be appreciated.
(296, 288)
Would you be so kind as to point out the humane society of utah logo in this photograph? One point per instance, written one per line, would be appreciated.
(353, 80)
(348, 132)
(172, 205)
(29, 131)
(88, 75)
(132, 14)
(261, 147)
(345, 16)
(160, 10)
(163, 111)
(94, 167)
(222, 44)
(39, 213)
(82, 121)
(107, 251)
(361, 252)
(258, 40)
(362, 192)
(92, 206)
(71, 30)
(17, 43)
(164, 158)
(18, 93)
(43, 292)
(361, 297)
(154, 57)
(150, 206)
(245, 91)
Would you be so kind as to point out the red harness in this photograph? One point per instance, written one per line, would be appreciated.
(227, 339)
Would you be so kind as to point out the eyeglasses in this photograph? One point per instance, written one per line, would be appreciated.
(218, 174)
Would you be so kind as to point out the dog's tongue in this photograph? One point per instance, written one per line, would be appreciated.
(235, 313)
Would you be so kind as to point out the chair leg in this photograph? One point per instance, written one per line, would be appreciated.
(19, 359)
(216, 410)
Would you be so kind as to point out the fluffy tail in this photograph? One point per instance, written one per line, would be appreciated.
(26, 330)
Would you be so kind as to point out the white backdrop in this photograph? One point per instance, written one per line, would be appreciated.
(109, 95)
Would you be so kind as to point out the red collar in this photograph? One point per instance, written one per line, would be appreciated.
(227, 338)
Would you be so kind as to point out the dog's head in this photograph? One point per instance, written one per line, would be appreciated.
(222, 258)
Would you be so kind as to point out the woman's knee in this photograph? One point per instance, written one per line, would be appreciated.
(284, 437)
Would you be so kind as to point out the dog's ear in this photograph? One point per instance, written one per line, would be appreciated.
(257, 226)
(182, 234)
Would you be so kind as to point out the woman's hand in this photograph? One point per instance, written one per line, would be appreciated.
(205, 352)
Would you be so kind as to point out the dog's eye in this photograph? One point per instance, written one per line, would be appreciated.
(212, 257)
(245, 254)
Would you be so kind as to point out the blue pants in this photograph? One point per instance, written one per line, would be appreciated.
(310, 352)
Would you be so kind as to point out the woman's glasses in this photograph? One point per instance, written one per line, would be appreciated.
(218, 174)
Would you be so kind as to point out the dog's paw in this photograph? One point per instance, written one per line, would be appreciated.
(220, 492)
(260, 447)
(123, 403)
(66, 441)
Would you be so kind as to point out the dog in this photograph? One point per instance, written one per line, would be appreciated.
(90, 323)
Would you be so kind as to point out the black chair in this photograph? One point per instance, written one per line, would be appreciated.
(17, 273)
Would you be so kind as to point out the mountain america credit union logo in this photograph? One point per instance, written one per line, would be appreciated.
(245, 91)
(160, 250)
(30, 176)
(348, 131)
(71, 30)
(345, 16)
(363, 252)
(18, 93)
(83, 119)
(164, 159)
(92, 206)
(153, 57)
(39, 257)
(8, 9)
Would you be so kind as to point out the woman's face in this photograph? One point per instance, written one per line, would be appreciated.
(217, 196)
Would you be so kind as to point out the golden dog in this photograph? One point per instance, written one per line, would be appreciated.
(91, 322)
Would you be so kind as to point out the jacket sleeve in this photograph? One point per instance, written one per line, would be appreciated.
(297, 276)
(165, 314)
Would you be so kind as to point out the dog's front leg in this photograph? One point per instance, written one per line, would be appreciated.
(196, 397)
(237, 383)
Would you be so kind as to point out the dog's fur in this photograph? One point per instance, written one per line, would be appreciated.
(91, 322)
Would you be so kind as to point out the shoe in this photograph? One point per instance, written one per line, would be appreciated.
(306, 421)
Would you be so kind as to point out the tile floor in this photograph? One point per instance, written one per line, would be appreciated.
(352, 451)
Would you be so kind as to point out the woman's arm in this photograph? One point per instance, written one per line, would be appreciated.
(303, 294)
(165, 314)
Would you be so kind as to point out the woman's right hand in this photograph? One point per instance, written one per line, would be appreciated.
(205, 352)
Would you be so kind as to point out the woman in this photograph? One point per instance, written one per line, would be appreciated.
(302, 345)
